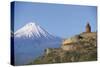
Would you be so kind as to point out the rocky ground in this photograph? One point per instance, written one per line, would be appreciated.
(82, 47)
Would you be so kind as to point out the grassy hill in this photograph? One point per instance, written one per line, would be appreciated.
(79, 48)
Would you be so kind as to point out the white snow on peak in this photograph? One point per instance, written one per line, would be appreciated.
(31, 30)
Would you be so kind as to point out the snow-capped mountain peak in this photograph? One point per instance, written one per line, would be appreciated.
(30, 41)
(31, 30)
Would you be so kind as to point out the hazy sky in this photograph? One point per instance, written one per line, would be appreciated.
(58, 19)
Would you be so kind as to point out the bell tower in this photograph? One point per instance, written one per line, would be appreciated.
(88, 28)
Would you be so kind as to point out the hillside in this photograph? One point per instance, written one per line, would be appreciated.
(82, 47)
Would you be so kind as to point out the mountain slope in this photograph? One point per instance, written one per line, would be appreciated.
(30, 42)
(82, 47)
(31, 30)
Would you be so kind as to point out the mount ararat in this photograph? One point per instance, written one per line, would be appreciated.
(30, 41)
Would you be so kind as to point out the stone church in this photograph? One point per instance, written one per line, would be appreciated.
(88, 28)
